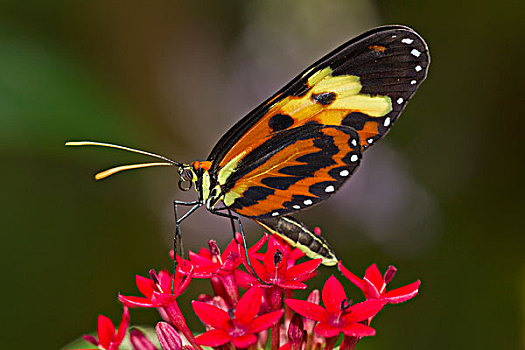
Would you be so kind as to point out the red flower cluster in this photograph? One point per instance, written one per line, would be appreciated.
(267, 303)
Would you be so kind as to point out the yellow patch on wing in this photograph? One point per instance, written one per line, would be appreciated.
(229, 168)
(318, 76)
(306, 108)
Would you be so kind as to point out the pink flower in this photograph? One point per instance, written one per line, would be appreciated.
(108, 337)
(242, 327)
(338, 315)
(373, 285)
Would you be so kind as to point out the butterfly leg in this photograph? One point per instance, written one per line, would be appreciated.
(231, 220)
(238, 219)
(178, 234)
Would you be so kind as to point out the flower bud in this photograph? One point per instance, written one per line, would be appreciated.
(389, 274)
(139, 341)
(168, 337)
(296, 332)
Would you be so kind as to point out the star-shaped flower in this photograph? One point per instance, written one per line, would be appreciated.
(108, 337)
(338, 315)
(275, 271)
(242, 327)
(373, 285)
(157, 291)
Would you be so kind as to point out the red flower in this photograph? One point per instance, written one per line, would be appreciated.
(239, 329)
(157, 291)
(108, 339)
(291, 254)
(337, 315)
(373, 285)
(210, 262)
(275, 271)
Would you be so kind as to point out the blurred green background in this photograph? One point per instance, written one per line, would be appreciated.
(440, 197)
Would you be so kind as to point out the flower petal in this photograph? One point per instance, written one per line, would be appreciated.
(215, 337)
(258, 245)
(265, 321)
(91, 339)
(307, 309)
(358, 330)
(351, 277)
(291, 285)
(105, 331)
(326, 330)
(244, 279)
(211, 315)
(333, 295)
(402, 294)
(303, 271)
(259, 268)
(363, 311)
(374, 276)
(248, 306)
(135, 301)
(199, 260)
(145, 285)
(244, 341)
(124, 323)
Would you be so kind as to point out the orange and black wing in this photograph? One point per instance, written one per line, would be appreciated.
(292, 170)
(295, 149)
(364, 84)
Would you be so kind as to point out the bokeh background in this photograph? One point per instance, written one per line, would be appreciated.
(441, 197)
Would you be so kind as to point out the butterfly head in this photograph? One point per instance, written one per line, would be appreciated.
(188, 176)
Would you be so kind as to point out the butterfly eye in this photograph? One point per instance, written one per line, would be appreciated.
(185, 185)
(186, 174)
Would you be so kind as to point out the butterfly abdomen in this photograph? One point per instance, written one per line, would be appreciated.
(299, 235)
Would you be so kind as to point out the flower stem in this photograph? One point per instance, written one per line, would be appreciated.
(349, 343)
(178, 321)
(330, 343)
(230, 286)
(276, 301)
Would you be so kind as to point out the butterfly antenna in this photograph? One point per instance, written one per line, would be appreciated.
(106, 173)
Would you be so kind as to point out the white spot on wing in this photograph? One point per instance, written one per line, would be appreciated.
(394, 36)
(415, 52)
(370, 141)
(296, 206)
(407, 41)
(344, 173)
(308, 202)
(418, 68)
(329, 189)
(413, 82)
(387, 121)
(275, 213)
(354, 142)
(399, 101)
(354, 158)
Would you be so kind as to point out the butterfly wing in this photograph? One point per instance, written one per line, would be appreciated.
(365, 84)
(268, 164)
(292, 170)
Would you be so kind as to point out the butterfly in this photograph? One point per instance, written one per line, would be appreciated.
(298, 147)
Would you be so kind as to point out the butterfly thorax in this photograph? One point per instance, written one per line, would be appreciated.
(205, 182)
